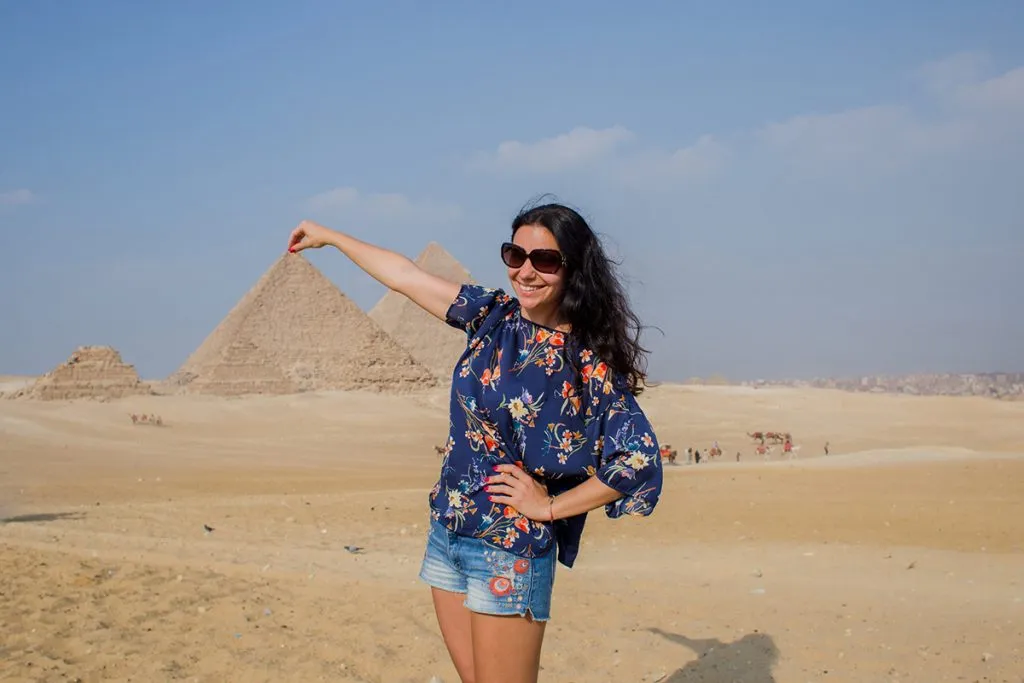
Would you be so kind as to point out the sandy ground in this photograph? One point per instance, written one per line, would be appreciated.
(898, 558)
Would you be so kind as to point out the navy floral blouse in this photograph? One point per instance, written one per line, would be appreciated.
(517, 399)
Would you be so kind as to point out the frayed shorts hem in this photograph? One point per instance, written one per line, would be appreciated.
(488, 610)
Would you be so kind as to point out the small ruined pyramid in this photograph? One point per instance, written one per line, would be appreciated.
(90, 372)
(295, 331)
(432, 342)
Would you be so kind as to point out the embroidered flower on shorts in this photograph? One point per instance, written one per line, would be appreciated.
(501, 586)
(521, 566)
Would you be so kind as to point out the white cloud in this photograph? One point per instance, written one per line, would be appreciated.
(350, 204)
(960, 112)
(658, 167)
(840, 132)
(606, 153)
(945, 75)
(17, 197)
(579, 147)
(958, 108)
(1003, 93)
(338, 198)
(881, 136)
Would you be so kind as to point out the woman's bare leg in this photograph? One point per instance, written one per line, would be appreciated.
(454, 620)
(506, 649)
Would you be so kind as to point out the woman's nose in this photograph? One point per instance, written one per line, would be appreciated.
(526, 271)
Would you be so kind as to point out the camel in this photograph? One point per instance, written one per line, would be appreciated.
(774, 437)
(145, 419)
(669, 453)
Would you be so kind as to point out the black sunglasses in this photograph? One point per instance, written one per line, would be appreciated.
(548, 261)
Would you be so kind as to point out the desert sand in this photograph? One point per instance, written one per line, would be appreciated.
(898, 558)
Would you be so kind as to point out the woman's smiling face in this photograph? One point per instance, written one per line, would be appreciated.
(540, 294)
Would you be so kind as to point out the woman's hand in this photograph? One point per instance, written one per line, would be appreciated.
(309, 235)
(510, 485)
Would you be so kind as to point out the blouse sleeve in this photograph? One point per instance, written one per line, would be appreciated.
(472, 307)
(629, 457)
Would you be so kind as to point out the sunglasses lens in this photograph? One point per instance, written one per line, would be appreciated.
(543, 260)
(546, 260)
(513, 255)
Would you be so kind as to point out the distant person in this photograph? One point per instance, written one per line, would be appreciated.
(826, 448)
(545, 427)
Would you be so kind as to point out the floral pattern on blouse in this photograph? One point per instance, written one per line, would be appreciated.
(518, 399)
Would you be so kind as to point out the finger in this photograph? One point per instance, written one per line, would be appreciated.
(507, 479)
(503, 500)
(510, 470)
(500, 489)
(303, 244)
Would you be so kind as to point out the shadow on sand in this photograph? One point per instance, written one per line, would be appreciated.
(42, 517)
(747, 660)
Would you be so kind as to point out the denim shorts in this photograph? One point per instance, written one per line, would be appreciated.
(494, 581)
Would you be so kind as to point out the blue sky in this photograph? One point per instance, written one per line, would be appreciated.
(795, 190)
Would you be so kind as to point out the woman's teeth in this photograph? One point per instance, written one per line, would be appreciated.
(528, 288)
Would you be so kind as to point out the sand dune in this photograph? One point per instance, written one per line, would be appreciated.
(899, 558)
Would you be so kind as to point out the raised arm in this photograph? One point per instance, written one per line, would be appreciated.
(393, 270)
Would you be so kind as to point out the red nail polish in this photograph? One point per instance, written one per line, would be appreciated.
(490, 498)
(495, 468)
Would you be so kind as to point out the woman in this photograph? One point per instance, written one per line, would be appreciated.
(545, 427)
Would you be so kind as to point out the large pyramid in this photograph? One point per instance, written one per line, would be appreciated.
(433, 343)
(90, 372)
(295, 331)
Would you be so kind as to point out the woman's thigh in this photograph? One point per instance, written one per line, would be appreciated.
(506, 649)
(454, 620)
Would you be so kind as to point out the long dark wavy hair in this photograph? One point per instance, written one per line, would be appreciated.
(594, 302)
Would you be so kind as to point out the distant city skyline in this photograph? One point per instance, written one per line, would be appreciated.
(803, 192)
